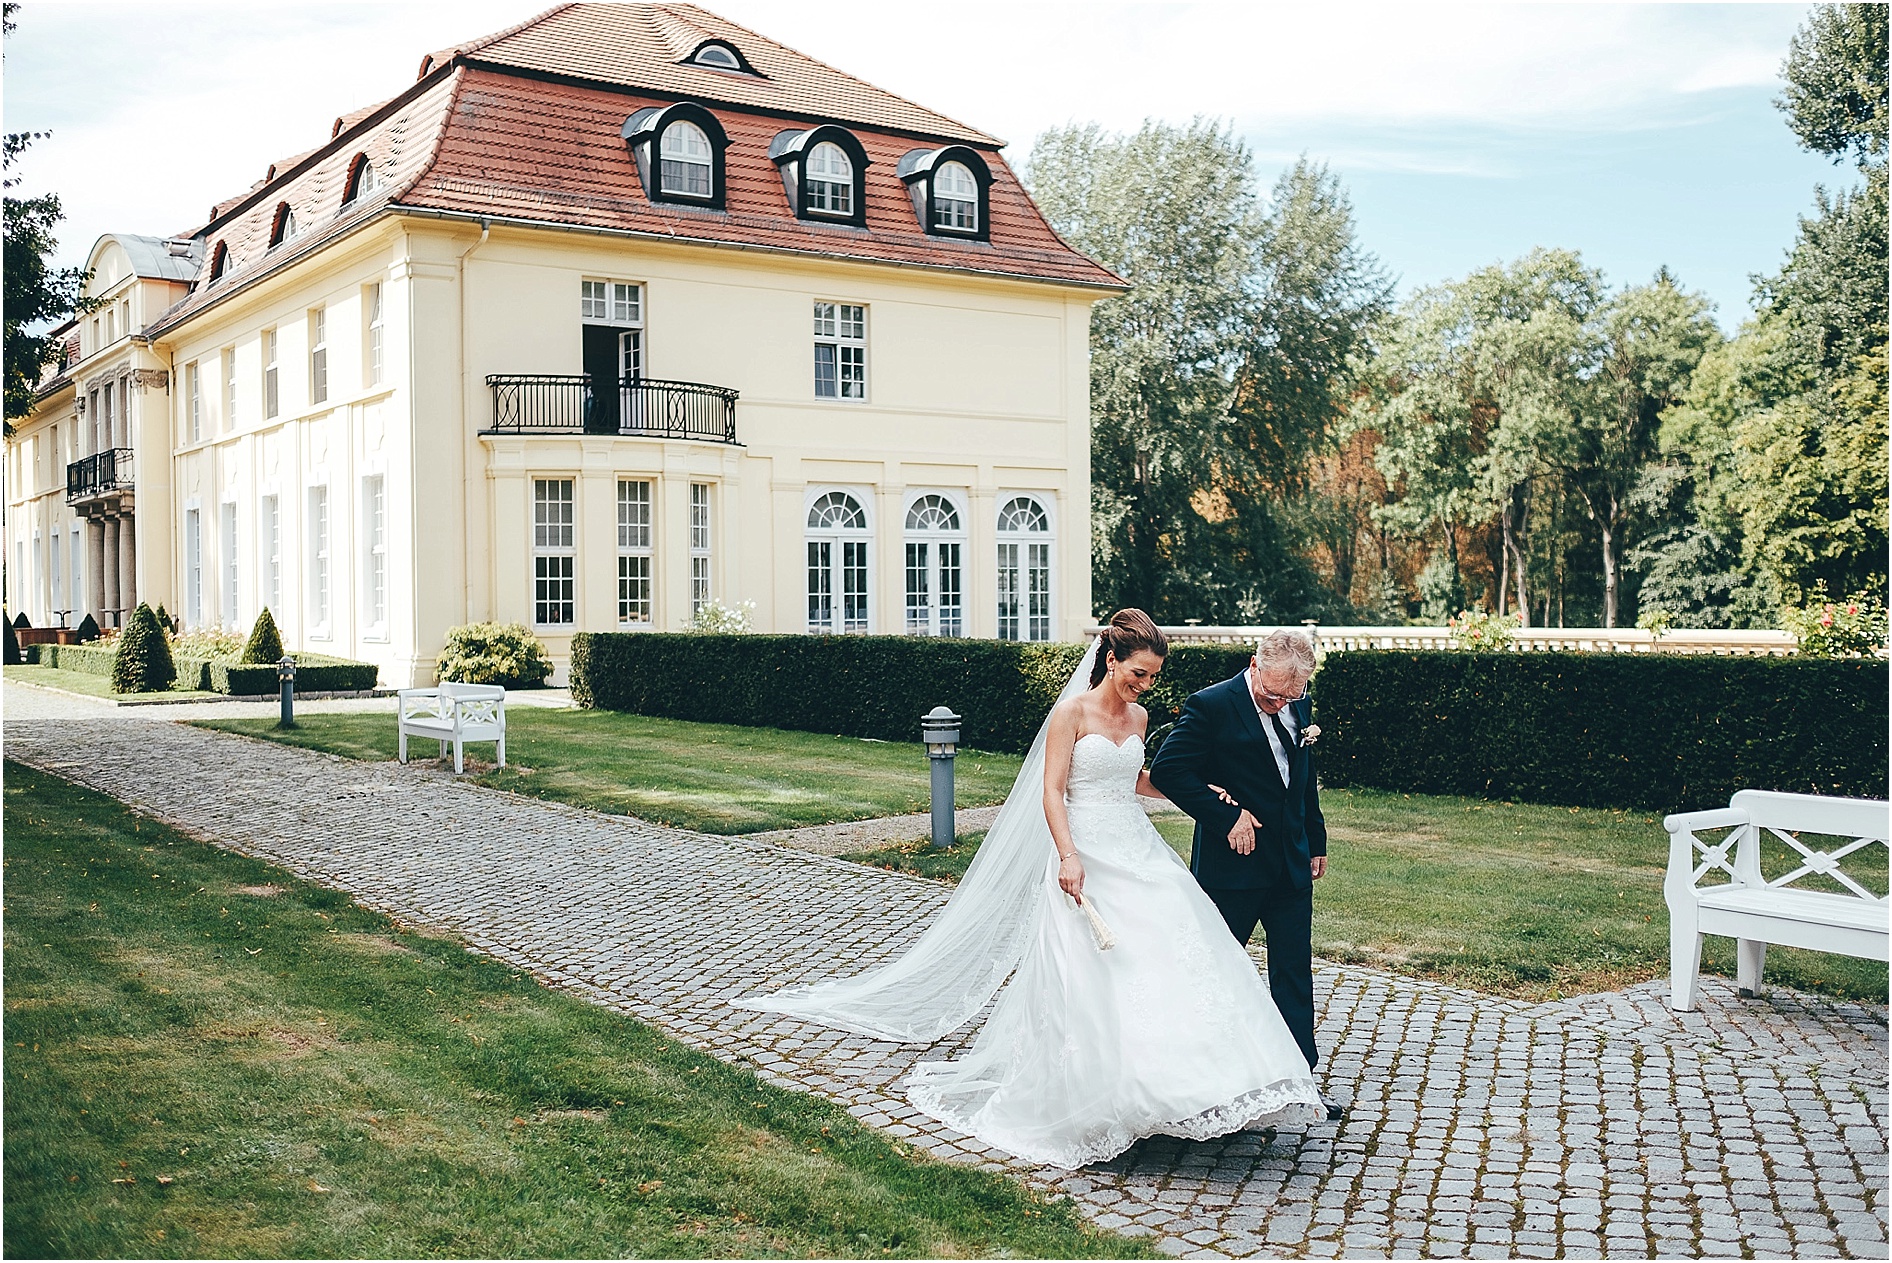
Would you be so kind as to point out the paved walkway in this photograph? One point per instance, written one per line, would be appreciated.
(1479, 1127)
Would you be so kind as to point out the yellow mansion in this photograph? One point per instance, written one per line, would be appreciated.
(608, 316)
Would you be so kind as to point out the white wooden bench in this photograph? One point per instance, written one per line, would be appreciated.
(455, 713)
(1755, 911)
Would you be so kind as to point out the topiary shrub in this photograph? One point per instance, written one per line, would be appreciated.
(494, 653)
(88, 630)
(13, 658)
(165, 621)
(265, 642)
(144, 661)
(22, 621)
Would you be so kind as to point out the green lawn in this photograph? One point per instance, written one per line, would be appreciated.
(207, 1057)
(713, 777)
(93, 685)
(1526, 901)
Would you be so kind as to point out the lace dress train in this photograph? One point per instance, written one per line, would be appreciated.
(1172, 1032)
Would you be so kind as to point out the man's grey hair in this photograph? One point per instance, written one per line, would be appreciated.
(1286, 649)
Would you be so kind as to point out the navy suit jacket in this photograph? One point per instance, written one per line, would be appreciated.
(1219, 741)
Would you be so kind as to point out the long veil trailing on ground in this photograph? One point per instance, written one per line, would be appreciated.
(974, 943)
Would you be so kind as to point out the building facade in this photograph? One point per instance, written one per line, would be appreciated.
(612, 315)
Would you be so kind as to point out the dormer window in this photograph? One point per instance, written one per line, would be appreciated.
(823, 173)
(362, 179)
(689, 164)
(951, 190)
(716, 54)
(679, 152)
(219, 259)
(284, 226)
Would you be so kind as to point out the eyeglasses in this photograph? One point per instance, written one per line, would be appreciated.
(1266, 696)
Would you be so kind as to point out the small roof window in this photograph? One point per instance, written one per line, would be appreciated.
(719, 54)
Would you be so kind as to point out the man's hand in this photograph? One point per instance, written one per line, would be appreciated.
(1241, 838)
(1318, 866)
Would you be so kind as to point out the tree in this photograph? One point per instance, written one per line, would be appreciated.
(143, 663)
(1835, 98)
(265, 643)
(37, 295)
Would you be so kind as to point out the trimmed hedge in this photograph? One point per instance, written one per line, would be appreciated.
(856, 686)
(315, 673)
(1642, 731)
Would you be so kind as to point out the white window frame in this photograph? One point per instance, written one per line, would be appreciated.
(701, 504)
(683, 160)
(194, 393)
(56, 573)
(828, 189)
(272, 375)
(320, 538)
(1027, 577)
(194, 566)
(374, 557)
(229, 389)
(318, 355)
(374, 361)
(269, 551)
(934, 559)
(839, 563)
(841, 334)
(955, 210)
(637, 602)
(554, 551)
(227, 540)
(619, 305)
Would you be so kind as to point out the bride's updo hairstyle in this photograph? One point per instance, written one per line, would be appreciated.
(1129, 631)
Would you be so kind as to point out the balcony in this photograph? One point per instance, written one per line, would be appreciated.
(110, 472)
(640, 407)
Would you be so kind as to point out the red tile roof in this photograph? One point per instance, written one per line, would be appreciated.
(525, 126)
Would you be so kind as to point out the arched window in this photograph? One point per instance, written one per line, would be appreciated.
(839, 542)
(719, 56)
(935, 542)
(219, 259)
(951, 190)
(284, 226)
(1024, 570)
(688, 163)
(363, 179)
(830, 180)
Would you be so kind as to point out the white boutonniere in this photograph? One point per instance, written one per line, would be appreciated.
(1310, 734)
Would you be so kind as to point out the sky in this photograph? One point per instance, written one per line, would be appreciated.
(1641, 135)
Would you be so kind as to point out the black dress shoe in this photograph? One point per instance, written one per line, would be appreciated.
(1334, 1112)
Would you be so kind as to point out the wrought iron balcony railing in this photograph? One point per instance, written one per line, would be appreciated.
(99, 474)
(539, 403)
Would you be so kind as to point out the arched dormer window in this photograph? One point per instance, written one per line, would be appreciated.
(284, 226)
(951, 190)
(718, 54)
(363, 179)
(219, 260)
(679, 151)
(824, 173)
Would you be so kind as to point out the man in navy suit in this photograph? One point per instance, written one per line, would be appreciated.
(1259, 856)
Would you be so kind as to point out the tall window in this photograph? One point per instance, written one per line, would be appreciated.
(55, 562)
(108, 430)
(77, 554)
(830, 176)
(686, 161)
(553, 596)
(318, 355)
(699, 547)
(269, 528)
(374, 554)
(193, 568)
(229, 390)
(194, 392)
(1024, 570)
(377, 334)
(229, 524)
(955, 198)
(838, 543)
(840, 351)
(935, 579)
(271, 396)
(634, 604)
(318, 560)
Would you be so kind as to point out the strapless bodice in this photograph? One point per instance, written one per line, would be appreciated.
(1103, 771)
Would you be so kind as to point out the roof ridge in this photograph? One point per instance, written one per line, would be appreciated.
(967, 127)
(487, 41)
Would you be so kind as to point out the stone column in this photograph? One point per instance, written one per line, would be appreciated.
(95, 569)
(109, 572)
(128, 562)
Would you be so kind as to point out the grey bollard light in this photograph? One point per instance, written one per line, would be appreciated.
(939, 729)
(286, 672)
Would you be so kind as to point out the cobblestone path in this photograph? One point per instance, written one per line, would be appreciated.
(1478, 1126)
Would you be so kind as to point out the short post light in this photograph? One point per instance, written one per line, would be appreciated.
(939, 729)
(286, 672)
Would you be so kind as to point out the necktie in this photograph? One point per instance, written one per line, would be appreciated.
(1287, 747)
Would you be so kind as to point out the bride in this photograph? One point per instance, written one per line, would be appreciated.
(1140, 1016)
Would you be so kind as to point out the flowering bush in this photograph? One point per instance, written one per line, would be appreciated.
(494, 653)
(718, 619)
(213, 643)
(1852, 628)
(1479, 631)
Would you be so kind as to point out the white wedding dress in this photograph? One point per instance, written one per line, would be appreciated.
(1171, 1032)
